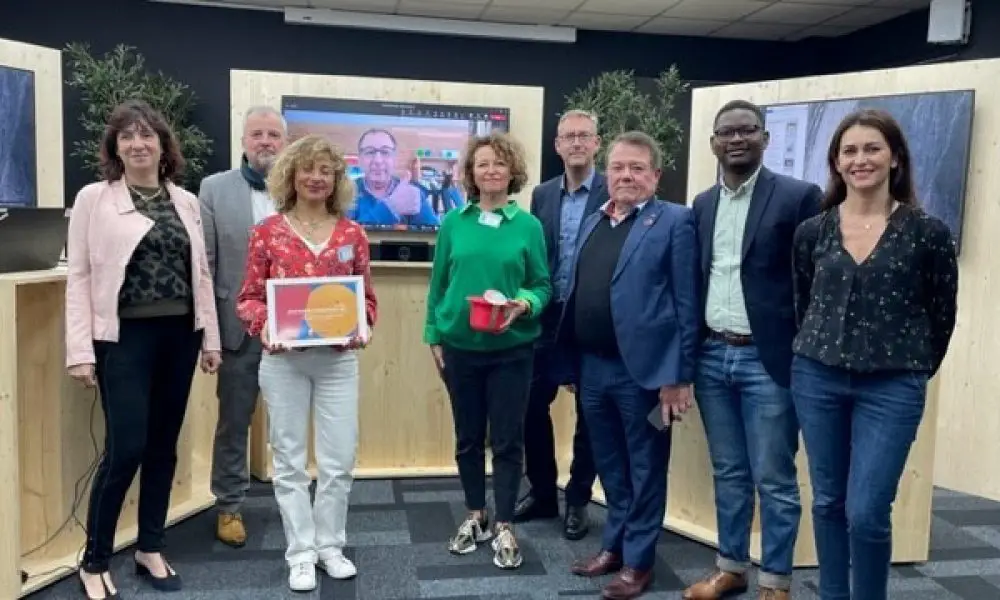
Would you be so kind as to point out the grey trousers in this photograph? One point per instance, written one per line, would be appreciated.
(237, 390)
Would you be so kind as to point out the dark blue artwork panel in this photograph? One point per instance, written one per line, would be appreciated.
(937, 126)
(18, 154)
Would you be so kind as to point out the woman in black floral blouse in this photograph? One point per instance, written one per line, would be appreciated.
(876, 283)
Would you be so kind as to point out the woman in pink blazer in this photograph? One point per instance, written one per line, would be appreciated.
(139, 310)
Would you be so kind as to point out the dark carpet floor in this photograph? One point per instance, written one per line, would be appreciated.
(397, 532)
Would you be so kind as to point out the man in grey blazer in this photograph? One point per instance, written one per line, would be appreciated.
(232, 202)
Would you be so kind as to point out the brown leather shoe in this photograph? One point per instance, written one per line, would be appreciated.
(230, 530)
(719, 584)
(601, 564)
(627, 584)
(767, 593)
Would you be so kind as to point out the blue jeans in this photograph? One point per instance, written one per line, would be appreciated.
(631, 458)
(858, 429)
(753, 436)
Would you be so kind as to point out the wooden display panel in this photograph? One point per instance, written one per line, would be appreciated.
(405, 417)
(691, 498)
(960, 420)
(53, 431)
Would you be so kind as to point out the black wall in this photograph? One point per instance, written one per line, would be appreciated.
(199, 45)
(903, 41)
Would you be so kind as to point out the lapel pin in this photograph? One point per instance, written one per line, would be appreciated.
(649, 221)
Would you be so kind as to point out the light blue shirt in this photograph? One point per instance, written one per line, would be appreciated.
(725, 307)
(572, 205)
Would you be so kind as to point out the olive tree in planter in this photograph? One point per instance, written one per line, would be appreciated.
(106, 81)
(622, 104)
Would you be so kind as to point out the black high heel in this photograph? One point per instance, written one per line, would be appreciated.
(107, 591)
(170, 583)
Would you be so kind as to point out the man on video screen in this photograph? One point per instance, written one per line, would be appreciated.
(383, 198)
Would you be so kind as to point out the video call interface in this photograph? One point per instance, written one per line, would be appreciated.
(404, 158)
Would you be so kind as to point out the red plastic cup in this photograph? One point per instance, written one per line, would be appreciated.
(488, 312)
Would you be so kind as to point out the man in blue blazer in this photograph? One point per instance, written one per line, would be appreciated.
(633, 316)
(561, 204)
(745, 225)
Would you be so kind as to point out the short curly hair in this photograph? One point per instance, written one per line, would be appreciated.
(301, 154)
(508, 149)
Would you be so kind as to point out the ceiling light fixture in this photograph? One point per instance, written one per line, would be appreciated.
(407, 24)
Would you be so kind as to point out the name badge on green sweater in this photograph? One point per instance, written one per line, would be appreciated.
(490, 219)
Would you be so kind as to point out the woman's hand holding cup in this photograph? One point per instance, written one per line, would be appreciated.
(514, 310)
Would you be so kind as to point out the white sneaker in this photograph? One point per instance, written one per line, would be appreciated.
(338, 566)
(302, 577)
(471, 532)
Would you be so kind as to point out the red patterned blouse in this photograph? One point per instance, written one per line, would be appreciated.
(276, 251)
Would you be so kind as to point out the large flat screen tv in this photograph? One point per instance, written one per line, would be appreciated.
(18, 162)
(403, 157)
(938, 130)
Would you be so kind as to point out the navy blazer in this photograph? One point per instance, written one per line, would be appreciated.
(546, 204)
(778, 205)
(654, 294)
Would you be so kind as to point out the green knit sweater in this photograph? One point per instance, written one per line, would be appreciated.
(503, 250)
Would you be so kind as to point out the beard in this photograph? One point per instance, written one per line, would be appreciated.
(264, 161)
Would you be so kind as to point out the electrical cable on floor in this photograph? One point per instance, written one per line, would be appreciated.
(79, 489)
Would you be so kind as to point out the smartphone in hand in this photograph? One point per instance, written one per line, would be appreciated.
(655, 418)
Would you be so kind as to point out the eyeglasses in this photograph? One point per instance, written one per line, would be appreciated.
(728, 133)
(571, 137)
(384, 152)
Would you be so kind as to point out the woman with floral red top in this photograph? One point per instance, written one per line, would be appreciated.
(310, 236)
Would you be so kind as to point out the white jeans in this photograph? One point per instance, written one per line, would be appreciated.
(326, 381)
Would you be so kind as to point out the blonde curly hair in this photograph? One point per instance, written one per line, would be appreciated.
(302, 154)
(506, 148)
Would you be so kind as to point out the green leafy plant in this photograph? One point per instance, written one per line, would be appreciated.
(621, 105)
(121, 74)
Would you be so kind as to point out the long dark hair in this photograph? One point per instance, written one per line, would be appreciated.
(901, 187)
(137, 112)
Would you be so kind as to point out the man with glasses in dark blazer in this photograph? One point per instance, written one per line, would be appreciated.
(561, 204)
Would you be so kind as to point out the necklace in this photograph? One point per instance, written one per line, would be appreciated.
(888, 213)
(145, 197)
(310, 227)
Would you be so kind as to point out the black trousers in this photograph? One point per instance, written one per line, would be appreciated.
(489, 389)
(144, 381)
(540, 447)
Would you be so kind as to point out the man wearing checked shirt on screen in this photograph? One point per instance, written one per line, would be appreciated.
(383, 198)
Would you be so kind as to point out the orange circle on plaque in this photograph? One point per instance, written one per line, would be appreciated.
(329, 310)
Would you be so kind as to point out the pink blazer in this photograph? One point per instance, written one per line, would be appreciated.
(104, 230)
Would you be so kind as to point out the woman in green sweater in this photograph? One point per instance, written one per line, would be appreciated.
(489, 244)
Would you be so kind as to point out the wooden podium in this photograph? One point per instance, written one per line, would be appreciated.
(52, 434)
